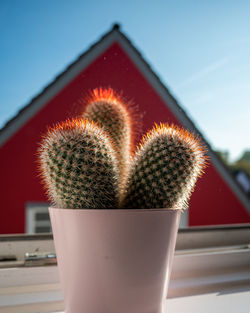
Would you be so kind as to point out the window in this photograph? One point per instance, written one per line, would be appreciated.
(37, 218)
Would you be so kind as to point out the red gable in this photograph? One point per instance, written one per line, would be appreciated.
(114, 62)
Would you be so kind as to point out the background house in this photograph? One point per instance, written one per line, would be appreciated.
(243, 179)
(112, 61)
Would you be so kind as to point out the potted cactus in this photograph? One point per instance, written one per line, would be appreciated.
(115, 213)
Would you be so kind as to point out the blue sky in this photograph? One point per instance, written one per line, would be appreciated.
(200, 49)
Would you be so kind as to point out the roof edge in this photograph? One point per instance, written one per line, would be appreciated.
(181, 114)
(37, 102)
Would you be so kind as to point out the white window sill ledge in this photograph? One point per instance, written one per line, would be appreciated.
(203, 281)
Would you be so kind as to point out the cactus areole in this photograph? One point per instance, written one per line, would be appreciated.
(78, 166)
(108, 109)
(88, 163)
(164, 170)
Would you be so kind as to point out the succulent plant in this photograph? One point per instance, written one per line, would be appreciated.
(164, 169)
(88, 163)
(78, 166)
(108, 109)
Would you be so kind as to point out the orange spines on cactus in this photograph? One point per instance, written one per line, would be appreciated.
(108, 109)
(164, 170)
(88, 163)
(78, 166)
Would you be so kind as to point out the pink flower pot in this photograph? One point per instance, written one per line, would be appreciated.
(114, 261)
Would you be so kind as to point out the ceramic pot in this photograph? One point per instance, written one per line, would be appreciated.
(114, 261)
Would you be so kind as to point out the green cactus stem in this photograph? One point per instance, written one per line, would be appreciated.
(109, 110)
(78, 166)
(165, 169)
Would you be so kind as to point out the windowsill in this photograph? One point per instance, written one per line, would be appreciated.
(234, 300)
(205, 277)
(202, 281)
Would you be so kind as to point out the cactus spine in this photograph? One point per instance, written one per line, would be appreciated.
(164, 170)
(109, 110)
(87, 163)
(78, 166)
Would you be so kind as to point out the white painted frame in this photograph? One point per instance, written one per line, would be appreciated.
(30, 214)
(195, 271)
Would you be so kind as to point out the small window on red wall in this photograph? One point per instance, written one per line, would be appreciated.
(37, 218)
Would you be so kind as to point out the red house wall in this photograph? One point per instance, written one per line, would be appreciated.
(211, 203)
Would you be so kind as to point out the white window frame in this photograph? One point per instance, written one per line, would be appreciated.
(32, 208)
(206, 260)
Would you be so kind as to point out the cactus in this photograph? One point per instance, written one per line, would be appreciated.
(109, 110)
(78, 166)
(87, 163)
(164, 170)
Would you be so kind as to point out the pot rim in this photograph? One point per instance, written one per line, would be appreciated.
(117, 210)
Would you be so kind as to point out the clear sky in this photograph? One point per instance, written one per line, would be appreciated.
(200, 50)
